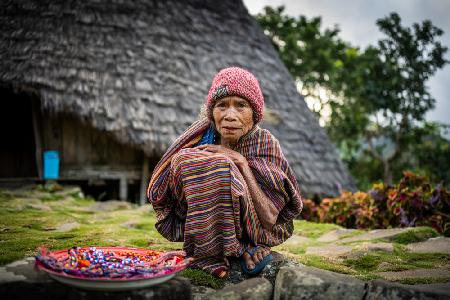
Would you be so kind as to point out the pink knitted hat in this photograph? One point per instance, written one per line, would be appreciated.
(236, 81)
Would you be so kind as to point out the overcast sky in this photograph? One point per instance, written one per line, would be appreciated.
(356, 20)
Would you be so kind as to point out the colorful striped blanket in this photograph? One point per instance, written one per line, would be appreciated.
(270, 168)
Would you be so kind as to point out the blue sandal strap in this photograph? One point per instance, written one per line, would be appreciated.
(251, 251)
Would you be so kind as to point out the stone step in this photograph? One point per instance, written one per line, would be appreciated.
(375, 234)
(334, 235)
(443, 272)
(433, 245)
(304, 282)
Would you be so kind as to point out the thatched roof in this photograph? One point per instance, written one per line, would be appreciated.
(141, 70)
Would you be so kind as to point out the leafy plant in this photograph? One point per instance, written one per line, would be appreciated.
(412, 202)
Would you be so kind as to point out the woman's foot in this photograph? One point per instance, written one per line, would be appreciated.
(258, 256)
(216, 266)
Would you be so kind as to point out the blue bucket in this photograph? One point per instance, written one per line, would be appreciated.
(51, 165)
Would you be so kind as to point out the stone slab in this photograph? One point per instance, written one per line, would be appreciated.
(329, 250)
(312, 283)
(201, 292)
(385, 290)
(435, 287)
(369, 247)
(67, 227)
(251, 289)
(297, 240)
(19, 280)
(334, 235)
(107, 206)
(375, 234)
(416, 273)
(433, 245)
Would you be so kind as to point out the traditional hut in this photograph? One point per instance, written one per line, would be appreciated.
(111, 83)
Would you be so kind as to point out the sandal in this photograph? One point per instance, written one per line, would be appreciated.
(259, 266)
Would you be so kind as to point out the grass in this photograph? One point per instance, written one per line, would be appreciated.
(29, 218)
(312, 230)
(23, 228)
(415, 235)
(199, 277)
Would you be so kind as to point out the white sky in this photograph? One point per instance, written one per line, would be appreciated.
(356, 20)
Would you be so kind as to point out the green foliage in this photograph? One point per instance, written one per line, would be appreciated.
(351, 210)
(415, 236)
(378, 96)
(412, 202)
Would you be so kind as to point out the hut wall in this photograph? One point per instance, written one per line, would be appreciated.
(88, 153)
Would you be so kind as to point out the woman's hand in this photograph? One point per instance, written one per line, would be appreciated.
(235, 156)
(265, 209)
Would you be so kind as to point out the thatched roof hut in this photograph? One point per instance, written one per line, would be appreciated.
(140, 70)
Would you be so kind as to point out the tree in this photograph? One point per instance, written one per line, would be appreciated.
(376, 99)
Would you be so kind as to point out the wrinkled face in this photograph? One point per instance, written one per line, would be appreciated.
(233, 117)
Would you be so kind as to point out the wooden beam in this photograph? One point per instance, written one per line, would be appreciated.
(35, 109)
(99, 172)
(144, 181)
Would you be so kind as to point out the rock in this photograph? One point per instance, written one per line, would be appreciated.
(433, 245)
(376, 234)
(130, 224)
(330, 250)
(201, 292)
(384, 290)
(74, 191)
(111, 205)
(386, 247)
(297, 240)
(19, 280)
(312, 283)
(254, 288)
(435, 287)
(383, 266)
(146, 208)
(334, 235)
(417, 273)
(39, 206)
(67, 227)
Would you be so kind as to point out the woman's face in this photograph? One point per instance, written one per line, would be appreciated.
(233, 117)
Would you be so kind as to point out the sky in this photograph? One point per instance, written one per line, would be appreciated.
(356, 20)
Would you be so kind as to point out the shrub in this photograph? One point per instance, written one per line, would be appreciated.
(310, 211)
(412, 202)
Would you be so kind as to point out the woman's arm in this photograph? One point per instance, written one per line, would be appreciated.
(265, 209)
(267, 212)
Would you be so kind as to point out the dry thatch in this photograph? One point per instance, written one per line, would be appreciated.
(141, 70)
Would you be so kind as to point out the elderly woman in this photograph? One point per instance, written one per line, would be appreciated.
(224, 187)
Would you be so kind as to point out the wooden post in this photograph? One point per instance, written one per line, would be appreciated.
(123, 188)
(37, 136)
(144, 181)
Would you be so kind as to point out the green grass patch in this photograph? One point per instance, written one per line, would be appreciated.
(311, 229)
(324, 263)
(415, 235)
(199, 277)
(24, 229)
(399, 260)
